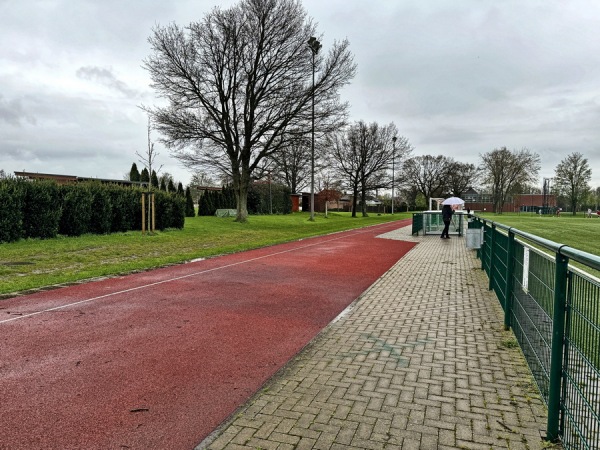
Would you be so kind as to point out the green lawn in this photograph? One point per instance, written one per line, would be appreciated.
(34, 263)
(575, 231)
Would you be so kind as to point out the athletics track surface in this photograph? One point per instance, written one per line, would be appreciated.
(158, 360)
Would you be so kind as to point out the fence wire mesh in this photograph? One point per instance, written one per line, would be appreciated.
(580, 426)
(529, 294)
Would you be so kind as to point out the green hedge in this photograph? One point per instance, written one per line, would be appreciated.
(12, 201)
(43, 209)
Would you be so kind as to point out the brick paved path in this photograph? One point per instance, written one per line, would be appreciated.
(419, 361)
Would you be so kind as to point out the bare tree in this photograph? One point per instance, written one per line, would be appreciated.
(148, 159)
(239, 87)
(202, 179)
(291, 165)
(572, 179)
(363, 153)
(460, 177)
(429, 174)
(503, 170)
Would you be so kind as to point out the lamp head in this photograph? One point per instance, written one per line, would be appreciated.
(314, 45)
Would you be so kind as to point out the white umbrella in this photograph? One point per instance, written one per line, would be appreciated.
(453, 201)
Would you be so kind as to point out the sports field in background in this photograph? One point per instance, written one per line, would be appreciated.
(576, 231)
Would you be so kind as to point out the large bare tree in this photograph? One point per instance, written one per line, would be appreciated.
(363, 154)
(429, 174)
(460, 177)
(572, 179)
(503, 170)
(239, 86)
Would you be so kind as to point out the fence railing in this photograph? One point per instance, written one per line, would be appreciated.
(554, 311)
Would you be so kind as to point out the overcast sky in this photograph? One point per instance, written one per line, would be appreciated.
(458, 78)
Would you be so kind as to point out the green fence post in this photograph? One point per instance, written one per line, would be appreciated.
(482, 248)
(558, 337)
(510, 267)
(492, 256)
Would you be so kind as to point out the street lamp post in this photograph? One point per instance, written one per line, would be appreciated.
(393, 168)
(314, 46)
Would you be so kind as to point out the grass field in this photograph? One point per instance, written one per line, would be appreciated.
(575, 231)
(34, 263)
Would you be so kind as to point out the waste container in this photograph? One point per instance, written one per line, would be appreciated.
(474, 234)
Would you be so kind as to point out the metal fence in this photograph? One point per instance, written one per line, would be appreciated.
(554, 311)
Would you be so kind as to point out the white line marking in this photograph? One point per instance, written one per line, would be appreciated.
(56, 308)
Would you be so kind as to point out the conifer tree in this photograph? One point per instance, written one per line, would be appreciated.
(134, 174)
(189, 202)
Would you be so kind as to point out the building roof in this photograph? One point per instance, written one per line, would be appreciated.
(63, 179)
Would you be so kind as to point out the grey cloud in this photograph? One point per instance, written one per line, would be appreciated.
(106, 77)
(13, 112)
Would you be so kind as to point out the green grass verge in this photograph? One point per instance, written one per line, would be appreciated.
(34, 263)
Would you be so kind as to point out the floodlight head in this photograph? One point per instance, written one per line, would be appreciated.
(314, 44)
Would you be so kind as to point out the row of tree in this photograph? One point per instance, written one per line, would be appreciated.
(247, 97)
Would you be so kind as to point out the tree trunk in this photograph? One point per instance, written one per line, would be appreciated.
(354, 200)
(363, 199)
(240, 187)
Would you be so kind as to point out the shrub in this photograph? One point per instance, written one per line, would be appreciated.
(189, 203)
(12, 201)
(77, 209)
(126, 211)
(178, 212)
(42, 210)
(101, 217)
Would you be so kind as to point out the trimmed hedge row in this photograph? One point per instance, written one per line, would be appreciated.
(262, 199)
(44, 209)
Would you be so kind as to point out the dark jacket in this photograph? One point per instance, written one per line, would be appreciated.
(447, 212)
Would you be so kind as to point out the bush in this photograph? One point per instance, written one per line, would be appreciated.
(206, 205)
(42, 210)
(126, 212)
(164, 210)
(101, 218)
(189, 203)
(178, 211)
(169, 210)
(12, 201)
(77, 209)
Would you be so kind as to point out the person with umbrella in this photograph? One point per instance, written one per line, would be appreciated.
(447, 212)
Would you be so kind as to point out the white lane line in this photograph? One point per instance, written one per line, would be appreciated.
(68, 305)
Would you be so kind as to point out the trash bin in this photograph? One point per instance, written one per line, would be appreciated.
(474, 234)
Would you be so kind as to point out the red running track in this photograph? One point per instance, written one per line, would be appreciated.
(158, 360)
